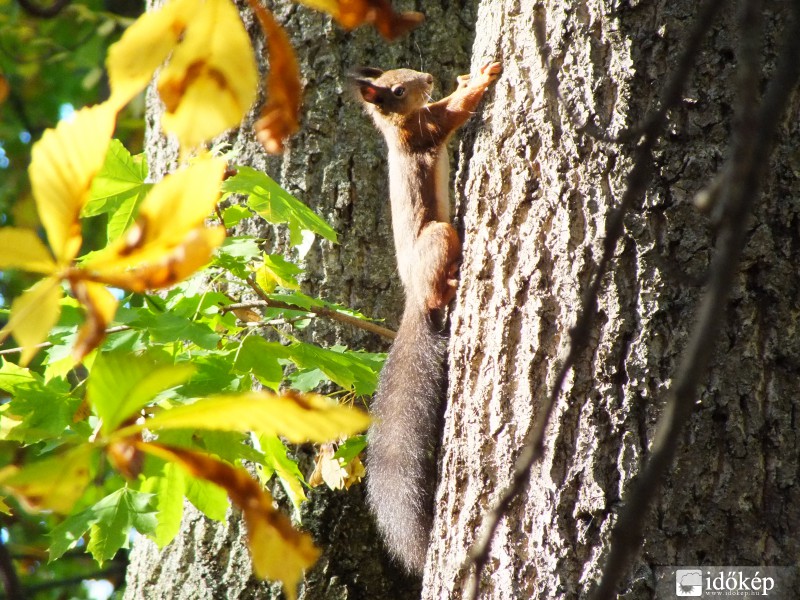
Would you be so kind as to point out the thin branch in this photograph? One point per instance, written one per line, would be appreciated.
(750, 158)
(110, 330)
(8, 575)
(320, 311)
(115, 571)
(638, 180)
(43, 12)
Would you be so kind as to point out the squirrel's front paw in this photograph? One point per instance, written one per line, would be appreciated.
(490, 72)
(487, 75)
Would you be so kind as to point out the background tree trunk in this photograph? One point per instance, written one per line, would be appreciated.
(337, 165)
(535, 194)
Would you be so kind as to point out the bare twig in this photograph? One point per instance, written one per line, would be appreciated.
(116, 571)
(752, 149)
(638, 180)
(110, 330)
(43, 12)
(8, 575)
(320, 311)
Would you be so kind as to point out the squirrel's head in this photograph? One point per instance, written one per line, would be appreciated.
(400, 91)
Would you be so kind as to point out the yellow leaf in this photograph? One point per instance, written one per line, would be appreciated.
(143, 47)
(214, 59)
(54, 483)
(33, 314)
(210, 80)
(22, 249)
(100, 306)
(297, 417)
(278, 550)
(4, 508)
(63, 164)
(168, 241)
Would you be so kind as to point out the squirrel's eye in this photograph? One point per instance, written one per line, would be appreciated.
(399, 91)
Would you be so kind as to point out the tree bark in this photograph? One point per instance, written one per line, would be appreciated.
(535, 192)
(337, 165)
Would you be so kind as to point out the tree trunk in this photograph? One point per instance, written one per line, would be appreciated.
(336, 164)
(535, 193)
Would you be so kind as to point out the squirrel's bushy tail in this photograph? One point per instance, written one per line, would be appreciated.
(401, 470)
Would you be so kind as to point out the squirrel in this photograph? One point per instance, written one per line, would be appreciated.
(401, 470)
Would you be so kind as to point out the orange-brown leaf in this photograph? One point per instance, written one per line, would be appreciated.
(277, 549)
(352, 13)
(100, 306)
(280, 115)
(126, 456)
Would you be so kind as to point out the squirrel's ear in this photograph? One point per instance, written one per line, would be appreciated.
(364, 73)
(361, 81)
(369, 92)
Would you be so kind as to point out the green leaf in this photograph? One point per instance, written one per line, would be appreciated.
(277, 205)
(277, 461)
(118, 188)
(350, 370)
(212, 376)
(351, 448)
(305, 380)
(209, 499)
(236, 254)
(115, 515)
(121, 176)
(168, 491)
(234, 214)
(260, 358)
(169, 327)
(124, 215)
(357, 371)
(37, 411)
(276, 270)
(67, 534)
(14, 377)
(122, 383)
(230, 446)
(193, 305)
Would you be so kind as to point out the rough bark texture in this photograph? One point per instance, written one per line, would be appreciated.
(336, 164)
(534, 196)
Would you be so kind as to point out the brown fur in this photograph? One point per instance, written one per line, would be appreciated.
(401, 473)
